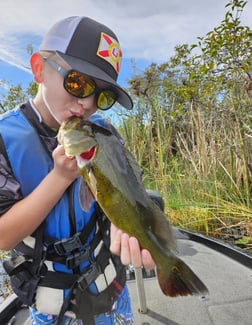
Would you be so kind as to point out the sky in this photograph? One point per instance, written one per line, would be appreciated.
(148, 30)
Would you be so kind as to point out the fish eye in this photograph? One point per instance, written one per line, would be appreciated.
(87, 128)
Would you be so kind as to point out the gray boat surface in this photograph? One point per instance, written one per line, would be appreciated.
(225, 269)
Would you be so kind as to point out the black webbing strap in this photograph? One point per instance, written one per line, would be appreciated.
(77, 258)
(74, 260)
(24, 274)
(72, 281)
(38, 252)
(3, 149)
(60, 280)
(26, 250)
(83, 282)
(67, 245)
(65, 304)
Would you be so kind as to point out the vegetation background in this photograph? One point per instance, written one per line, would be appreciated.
(191, 130)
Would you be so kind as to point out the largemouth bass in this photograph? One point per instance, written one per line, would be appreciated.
(114, 179)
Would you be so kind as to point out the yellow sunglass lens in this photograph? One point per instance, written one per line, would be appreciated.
(78, 84)
(106, 99)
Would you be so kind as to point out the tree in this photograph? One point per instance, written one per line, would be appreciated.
(17, 95)
(198, 103)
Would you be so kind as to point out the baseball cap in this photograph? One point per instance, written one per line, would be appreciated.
(90, 48)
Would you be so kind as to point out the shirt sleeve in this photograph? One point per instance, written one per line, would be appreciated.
(10, 191)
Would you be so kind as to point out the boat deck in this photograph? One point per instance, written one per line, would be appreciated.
(226, 271)
(230, 292)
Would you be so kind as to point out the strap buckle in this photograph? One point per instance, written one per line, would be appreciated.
(67, 245)
(76, 259)
(88, 277)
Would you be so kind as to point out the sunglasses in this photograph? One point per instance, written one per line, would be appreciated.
(79, 85)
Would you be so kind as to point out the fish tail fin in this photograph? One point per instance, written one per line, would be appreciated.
(179, 280)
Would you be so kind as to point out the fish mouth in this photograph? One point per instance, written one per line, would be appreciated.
(86, 156)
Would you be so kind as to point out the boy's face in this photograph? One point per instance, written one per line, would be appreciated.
(59, 102)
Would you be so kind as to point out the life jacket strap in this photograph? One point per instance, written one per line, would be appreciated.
(67, 245)
(76, 259)
(66, 280)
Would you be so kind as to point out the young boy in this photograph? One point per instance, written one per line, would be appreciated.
(65, 264)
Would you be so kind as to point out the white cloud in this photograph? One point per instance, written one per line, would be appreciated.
(147, 29)
(4, 85)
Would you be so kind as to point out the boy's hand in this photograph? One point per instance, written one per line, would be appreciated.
(65, 166)
(129, 250)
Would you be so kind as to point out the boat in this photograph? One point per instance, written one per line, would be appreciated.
(224, 268)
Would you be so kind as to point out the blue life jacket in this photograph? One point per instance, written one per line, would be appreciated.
(30, 163)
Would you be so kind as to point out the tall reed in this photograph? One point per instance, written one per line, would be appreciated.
(199, 162)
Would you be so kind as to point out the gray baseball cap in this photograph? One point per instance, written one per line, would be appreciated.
(90, 48)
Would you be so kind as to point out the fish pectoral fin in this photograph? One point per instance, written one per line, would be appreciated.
(161, 243)
(85, 196)
(161, 231)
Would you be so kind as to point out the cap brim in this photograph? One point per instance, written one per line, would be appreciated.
(93, 71)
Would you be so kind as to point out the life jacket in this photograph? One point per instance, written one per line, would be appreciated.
(55, 261)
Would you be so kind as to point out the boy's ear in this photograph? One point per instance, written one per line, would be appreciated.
(37, 66)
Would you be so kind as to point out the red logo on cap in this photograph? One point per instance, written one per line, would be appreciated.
(109, 50)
